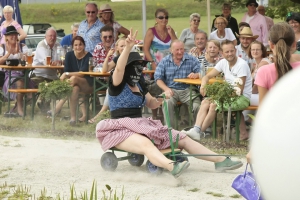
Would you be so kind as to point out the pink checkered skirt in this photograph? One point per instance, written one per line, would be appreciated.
(111, 132)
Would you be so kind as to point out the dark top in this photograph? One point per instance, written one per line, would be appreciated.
(232, 24)
(298, 46)
(72, 64)
(115, 59)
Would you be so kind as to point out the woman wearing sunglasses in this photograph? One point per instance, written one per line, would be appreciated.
(187, 35)
(157, 42)
(106, 16)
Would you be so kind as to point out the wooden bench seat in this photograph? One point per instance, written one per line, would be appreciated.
(27, 91)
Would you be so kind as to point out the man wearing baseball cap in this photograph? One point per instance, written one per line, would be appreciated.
(256, 21)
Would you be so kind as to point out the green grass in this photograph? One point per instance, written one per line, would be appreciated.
(215, 194)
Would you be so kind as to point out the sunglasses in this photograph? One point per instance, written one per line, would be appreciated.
(252, 4)
(196, 20)
(88, 12)
(162, 17)
(105, 37)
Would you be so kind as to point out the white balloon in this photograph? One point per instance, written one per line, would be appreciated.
(276, 140)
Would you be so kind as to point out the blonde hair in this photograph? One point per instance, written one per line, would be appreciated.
(221, 18)
(8, 9)
(117, 43)
(216, 42)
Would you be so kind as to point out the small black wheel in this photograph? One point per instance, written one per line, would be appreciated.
(109, 161)
(136, 159)
(152, 169)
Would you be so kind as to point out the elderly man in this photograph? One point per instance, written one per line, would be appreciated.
(177, 65)
(233, 67)
(46, 47)
(261, 9)
(101, 50)
(246, 37)
(256, 21)
(89, 29)
(232, 22)
(67, 40)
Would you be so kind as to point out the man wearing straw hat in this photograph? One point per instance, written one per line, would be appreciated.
(246, 37)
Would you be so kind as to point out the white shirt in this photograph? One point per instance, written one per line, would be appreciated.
(243, 54)
(42, 51)
(228, 35)
(240, 69)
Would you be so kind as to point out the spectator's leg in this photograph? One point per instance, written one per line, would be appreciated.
(171, 103)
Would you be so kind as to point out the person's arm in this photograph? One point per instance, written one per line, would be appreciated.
(182, 35)
(205, 80)
(124, 31)
(171, 32)
(3, 58)
(262, 93)
(152, 102)
(146, 49)
(118, 74)
(22, 34)
(107, 66)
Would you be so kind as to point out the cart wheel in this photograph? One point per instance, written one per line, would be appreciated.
(109, 161)
(136, 159)
(152, 169)
(181, 158)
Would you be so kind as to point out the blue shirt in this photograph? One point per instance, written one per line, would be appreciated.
(91, 35)
(167, 70)
(67, 40)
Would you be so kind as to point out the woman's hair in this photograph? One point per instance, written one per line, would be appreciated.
(226, 6)
(75, 25)
(216, 42)
(283, 37)
(78, 38)
(112, 17)
(293, 16)
(158, 10)
(222, 18)
(200, 32)
(8, 9)
(263, 49)
(195, 15)
(117, 44)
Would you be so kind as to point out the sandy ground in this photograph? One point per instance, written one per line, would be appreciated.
(57, 164)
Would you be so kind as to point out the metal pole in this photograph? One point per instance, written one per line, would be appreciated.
(208, 17)
(144, 18)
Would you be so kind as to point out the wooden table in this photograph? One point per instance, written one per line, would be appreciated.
(26, 70)
(193, 83)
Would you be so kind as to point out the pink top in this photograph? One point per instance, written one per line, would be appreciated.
(267, 75)
(14, 23)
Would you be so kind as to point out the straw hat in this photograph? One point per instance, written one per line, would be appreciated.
(246, 32)
(105, 8)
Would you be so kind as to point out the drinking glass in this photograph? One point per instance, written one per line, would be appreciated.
(48, 61)
(29, 57)
(62, 55)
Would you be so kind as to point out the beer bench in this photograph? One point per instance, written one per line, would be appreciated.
(237, 123)
(26, 92)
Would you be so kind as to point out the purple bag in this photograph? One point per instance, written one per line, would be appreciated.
(246, 185)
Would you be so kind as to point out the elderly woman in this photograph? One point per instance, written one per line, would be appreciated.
(67, 40)
(8, 12)
(293, 19)
(222, 33)
(187, 35)
(12, 49)
(157, 43)
(76, 61)
(106, 16)
(129, 131)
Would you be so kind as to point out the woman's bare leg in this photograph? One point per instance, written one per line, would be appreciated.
(210, 117)
(19, 85)
(139, 144)
(193, 147)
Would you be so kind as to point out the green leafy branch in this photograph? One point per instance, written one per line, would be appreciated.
(55, 90)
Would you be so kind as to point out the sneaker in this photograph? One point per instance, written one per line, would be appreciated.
(179, 167)
(194, 135)
(228, 164)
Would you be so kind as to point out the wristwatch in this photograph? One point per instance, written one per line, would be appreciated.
(67, 73)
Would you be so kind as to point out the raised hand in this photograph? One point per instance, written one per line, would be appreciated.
(130, 40)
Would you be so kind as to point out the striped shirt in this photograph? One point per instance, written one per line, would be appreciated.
(167, 70)
(91, 35)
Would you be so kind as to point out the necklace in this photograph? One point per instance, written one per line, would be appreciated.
(161, 35)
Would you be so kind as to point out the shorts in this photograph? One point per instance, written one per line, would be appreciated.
(240, 104)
